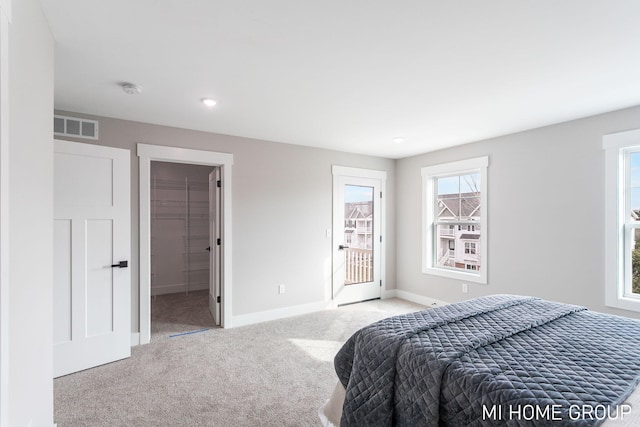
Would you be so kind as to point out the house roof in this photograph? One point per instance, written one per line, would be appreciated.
(358, 210)
(459, 206)
(469, 236)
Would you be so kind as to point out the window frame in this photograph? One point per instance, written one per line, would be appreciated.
(618, 229)
(429, 206)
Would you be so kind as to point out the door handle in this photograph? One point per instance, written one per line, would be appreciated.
(341, 247)
(208, 248)
(121, 264)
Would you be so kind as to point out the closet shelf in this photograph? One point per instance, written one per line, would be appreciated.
(185, 200)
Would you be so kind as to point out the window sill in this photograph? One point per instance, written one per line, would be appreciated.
(624, 303)
(459, 275)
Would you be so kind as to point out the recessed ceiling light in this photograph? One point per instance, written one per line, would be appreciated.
(398, 140)
(208, 102)
(131, 89)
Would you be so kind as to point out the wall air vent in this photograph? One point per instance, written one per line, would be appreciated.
(75, 127)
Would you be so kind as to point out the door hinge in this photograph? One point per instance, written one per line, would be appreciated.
(380, 239)
(218, 242)
(380, 283)
(218, 298)
(218, 183)
(381, 194)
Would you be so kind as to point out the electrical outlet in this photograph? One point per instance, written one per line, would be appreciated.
(281, 288)
(465, 288)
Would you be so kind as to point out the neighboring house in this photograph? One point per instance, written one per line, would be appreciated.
(459, 244)
(358, 224)
(358, 229)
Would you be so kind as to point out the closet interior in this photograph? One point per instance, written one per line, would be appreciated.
(179, 246)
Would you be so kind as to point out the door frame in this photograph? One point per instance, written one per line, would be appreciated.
(148, 153)
(344, 171)
(215, 219)
(5, 21)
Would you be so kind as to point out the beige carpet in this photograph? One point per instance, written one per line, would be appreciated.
(179, 313)
(271, 374)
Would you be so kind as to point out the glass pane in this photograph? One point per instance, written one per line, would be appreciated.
(449, 185)
(634, 200)
(458, 197)
(358, 234)
(470, 183)
(635, 261)
(458, 246)
(470, 208)
(634, 196)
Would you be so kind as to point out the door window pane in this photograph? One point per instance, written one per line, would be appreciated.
(358, 232)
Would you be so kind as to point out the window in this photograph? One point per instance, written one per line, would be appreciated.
(469, 248)
(455, 220)
(622, 219)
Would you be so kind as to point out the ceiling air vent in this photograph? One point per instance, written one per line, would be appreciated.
(75, 127)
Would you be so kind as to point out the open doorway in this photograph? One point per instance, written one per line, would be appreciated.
(184, 261)
(224, 161)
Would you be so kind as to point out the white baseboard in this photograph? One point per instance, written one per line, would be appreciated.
(135, 339)
(279, 313)
(177, 288)
(418, 299)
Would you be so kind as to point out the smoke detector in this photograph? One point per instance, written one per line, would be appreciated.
(131, 89)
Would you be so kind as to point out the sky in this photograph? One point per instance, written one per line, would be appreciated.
(356, 193)
(459, 184)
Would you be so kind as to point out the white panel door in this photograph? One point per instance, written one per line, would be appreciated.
(357, 235)
(92, 248)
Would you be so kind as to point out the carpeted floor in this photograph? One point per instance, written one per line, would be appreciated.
(270, 374)
(179, 313)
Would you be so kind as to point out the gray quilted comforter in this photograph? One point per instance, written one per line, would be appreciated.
(490, 361)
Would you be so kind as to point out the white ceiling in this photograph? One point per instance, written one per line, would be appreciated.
(348, 75)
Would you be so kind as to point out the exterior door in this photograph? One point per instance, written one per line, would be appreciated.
(92, 247)
(357, 234)
(215, 231)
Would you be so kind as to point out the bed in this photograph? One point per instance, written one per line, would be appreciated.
(496, 360)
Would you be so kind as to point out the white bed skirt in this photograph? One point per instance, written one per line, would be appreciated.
(331, 411)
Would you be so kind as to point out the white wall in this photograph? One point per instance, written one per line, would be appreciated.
(30, 216)
(546, 213)
(281, 210)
